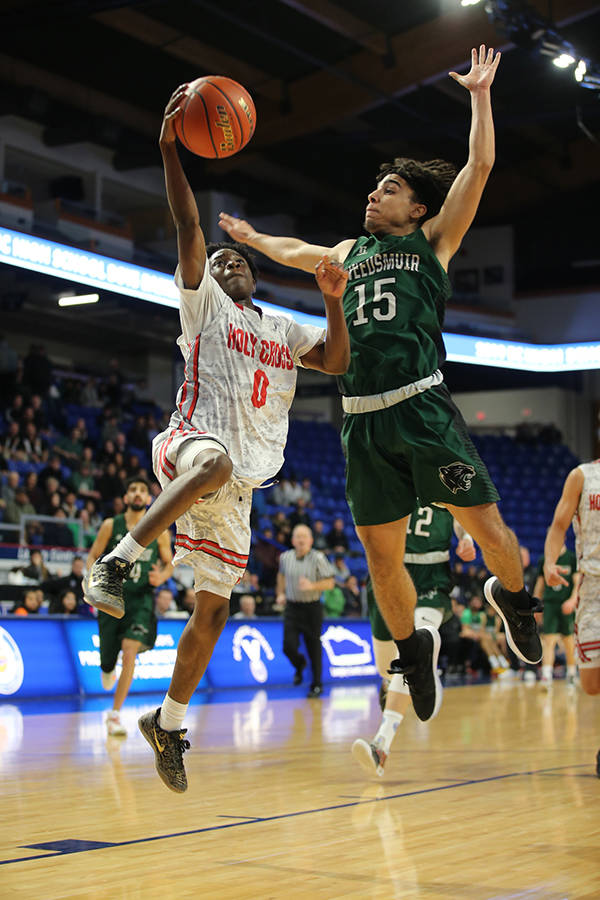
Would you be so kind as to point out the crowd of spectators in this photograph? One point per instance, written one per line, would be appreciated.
(69, 442)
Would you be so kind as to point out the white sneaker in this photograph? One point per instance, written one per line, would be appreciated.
(369, 757)
(108, 679)
(529, 677)
(546, 683)
(508, 675)
(113, 725)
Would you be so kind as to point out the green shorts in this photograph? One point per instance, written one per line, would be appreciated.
(138, 624)
(555, 621)
(433, 599)
(414, 453)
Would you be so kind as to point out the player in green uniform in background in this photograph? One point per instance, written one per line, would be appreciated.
(406, 443)
(427, 559)
(560, 602)
(136, 630)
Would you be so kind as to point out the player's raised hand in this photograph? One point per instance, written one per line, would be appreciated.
(238, 229)
(172, 111)
(331, 277)
(553, 575)
(483, 69)
(465, 549)
(155, 577)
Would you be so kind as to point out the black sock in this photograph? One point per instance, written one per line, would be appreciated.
(519, 599)
(408, 648)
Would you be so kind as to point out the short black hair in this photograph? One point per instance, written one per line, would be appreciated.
(212, 248)
(430, 181)
(136, 479)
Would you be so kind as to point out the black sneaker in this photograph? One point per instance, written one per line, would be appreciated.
(422, 677)
(315, 691)
(169, 747)
(103, 585)
(299, 671)
(519, 624)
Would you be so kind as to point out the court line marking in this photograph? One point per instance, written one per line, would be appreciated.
(259, 820)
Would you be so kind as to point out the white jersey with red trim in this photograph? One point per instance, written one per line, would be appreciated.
(586, 523)
(240, 376)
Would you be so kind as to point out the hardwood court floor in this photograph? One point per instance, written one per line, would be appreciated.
(497, 798)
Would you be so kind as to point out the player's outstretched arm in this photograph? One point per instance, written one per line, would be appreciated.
(333, 356)
(285, 250)
(563, 515)
(446, 230)
(190, 240)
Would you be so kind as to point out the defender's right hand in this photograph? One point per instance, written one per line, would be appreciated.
(238, 229)
(172, 111)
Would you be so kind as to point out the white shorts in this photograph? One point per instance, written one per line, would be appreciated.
(587, 622)
(213, 535)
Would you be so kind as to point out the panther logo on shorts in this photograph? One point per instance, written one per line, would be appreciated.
(457, 476)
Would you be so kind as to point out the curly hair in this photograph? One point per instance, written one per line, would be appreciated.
(213, 247)
(430, 181)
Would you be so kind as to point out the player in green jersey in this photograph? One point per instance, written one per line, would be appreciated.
(136, 631)
(406, 444)
(560, 602)
(427, 560)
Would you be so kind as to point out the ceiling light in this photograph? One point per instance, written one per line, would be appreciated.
(469, 2)
(563, 61)
(78, 299)
(580, 70)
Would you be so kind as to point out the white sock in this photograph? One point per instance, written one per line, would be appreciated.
(172, 714)
(127, 549)
(494, 661)
(547, 673)
(571, 671)
(389, 725)
(504, 662)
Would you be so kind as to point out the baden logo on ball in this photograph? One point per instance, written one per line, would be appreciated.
(217, 119)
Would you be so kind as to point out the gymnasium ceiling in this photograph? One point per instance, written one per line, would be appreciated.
(339, 86)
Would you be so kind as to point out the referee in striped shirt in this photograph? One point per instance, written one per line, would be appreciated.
(303, 575)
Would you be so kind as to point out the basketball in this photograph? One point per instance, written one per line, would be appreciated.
(217, 119)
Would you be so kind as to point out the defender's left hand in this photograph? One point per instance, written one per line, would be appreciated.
(331, 277)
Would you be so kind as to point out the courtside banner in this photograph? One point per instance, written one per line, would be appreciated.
(46, 656)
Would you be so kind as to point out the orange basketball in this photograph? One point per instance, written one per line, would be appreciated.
(218, 117)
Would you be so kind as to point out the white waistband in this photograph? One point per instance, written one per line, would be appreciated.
(372, 402)
(427, 559)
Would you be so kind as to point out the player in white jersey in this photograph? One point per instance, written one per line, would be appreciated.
(580, 504)
(225, 437)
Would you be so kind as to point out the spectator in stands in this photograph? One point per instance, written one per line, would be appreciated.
(89, 393)
(107, 453)
(109, 484)
(341, 571)
(54, 587)
(52, 497)
(110, 427)
(11, 440)
(267, 554)
(247, 607)
(353, 607)
(40, 420)
(64, 605)
(53, 470)
(319, 536)
(9, 489)
(474, 621)
(70, 448)
(57, 532)
(34, 491)
(83, 483)
(188, 600)
(32, 446)
(300, 515)
(14, 412)
(95, 519)
(165, 606)
(306, 491)
(138, 436)
(118, 506)
(20, 506)
(336, 537)
(279, 494)
(29, 605)
(333, 602)
(281, 526)
(37, 370)
(36, 569)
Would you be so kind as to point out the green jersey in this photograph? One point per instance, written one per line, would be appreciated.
(394, 305)
(136, 587)
(427, 554)
(560, 592)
